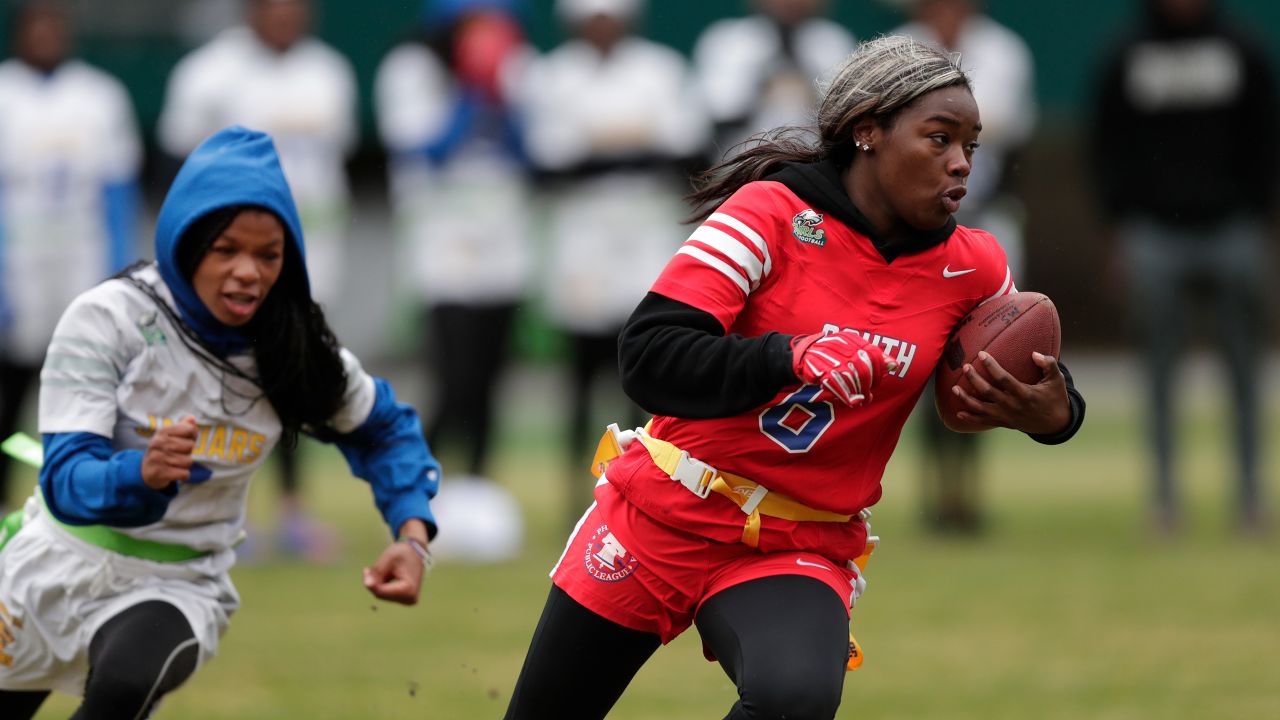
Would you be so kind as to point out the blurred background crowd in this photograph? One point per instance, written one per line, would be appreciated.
(486, 184)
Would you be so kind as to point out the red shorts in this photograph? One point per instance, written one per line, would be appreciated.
(645, 575)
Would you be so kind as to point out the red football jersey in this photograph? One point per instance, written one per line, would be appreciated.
(768, 261)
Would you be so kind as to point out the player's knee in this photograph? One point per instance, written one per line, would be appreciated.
(792, 695)
(124, 691)
(112, 694)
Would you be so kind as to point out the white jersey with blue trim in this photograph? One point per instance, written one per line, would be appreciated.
(64, 136)
(119, 367)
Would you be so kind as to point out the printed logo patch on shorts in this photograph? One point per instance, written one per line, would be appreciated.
(606, 559)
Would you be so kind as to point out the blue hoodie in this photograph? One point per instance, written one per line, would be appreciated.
(235, 166)
(85, 481)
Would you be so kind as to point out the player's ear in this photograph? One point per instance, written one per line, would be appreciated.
(866, 133)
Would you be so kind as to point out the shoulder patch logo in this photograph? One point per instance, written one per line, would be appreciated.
(149, 326)
(805, 227)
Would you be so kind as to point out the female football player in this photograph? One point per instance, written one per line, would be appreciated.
(824, 274)
(163, 390)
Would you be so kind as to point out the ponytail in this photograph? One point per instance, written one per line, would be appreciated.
(760, 156)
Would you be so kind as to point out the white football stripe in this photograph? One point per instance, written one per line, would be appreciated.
(732, 248)
(574, 533)
(1005, 288)
(729, 271)
(824, 356)
(749, 234)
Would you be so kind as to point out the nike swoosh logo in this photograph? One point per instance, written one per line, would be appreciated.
(947, 272)
(806, 563)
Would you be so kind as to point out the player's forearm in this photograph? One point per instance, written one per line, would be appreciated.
(84, 482)
(676, 360)
(389, 452)
(413, 528)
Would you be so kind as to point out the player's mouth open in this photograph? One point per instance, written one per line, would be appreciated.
(951, 198)
(241, 304)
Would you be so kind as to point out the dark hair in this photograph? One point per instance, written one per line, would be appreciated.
(300, 369)
(878, 80)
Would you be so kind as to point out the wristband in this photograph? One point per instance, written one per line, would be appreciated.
(421, 551)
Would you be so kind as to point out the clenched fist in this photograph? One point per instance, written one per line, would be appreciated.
(168, 456)
(843, 363)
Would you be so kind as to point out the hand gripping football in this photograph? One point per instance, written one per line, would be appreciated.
(1009, 328)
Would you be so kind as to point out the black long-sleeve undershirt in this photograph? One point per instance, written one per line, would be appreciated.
(676, 360)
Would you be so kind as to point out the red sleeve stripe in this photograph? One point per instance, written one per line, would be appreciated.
(731, 248)
(1008, 286)
(726, 269)
(748, 233)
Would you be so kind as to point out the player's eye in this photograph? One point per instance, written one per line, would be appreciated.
(971, 148)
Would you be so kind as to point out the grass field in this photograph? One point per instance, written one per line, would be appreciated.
(1066, 608)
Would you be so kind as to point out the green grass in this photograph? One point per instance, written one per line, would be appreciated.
(1066, 608)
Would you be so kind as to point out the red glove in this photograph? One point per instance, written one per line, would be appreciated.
(843, 363)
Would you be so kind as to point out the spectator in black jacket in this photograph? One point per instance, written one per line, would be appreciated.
(1185, 146)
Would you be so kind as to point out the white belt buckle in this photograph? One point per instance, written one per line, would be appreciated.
(695, 475)
(624, 438)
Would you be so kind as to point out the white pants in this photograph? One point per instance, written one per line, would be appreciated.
(56, 591)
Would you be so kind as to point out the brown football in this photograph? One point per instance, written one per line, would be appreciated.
(1009, 328)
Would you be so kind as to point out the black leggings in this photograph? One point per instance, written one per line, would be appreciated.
(783, 640)
(134, 659)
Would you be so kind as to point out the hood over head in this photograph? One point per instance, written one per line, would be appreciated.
(234, 167)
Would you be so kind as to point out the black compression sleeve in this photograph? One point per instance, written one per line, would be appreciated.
(676, 360)
(1077, 413)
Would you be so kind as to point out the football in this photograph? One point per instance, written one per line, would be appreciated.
(1009, 328)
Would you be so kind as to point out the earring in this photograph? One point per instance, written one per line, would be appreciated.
(866, 147)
